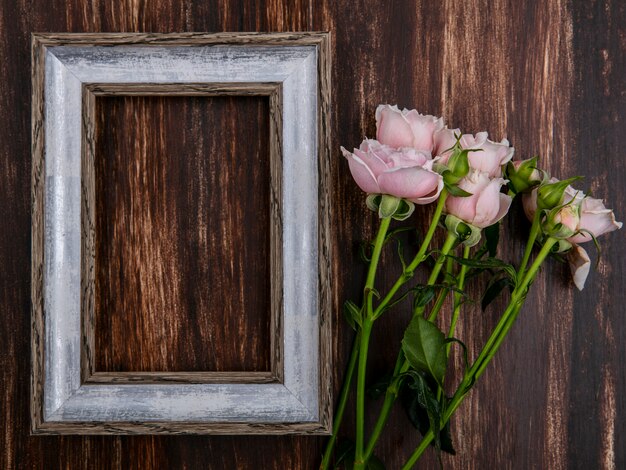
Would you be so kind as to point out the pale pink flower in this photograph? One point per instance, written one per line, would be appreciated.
(593, 217)
(486, 205)
(406, 128)
(489, 159)
(405, 172)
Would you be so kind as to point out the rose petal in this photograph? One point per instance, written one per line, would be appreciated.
(529, 202)
(372, 160)
(430, 197)
(492, 155)
(597, 222)
(488, 204)
(579, 264)
(408, 158)
(361, 173)
(462, 207)
(392, 128)
(409, 183)
(505, 205)
(443, 141)
(423, 128)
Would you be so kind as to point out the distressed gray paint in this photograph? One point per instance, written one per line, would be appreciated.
(65, 399)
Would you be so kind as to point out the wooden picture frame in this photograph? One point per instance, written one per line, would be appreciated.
(69, 72)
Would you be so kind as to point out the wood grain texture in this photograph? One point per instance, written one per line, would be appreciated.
(176, 275)
(263, 136)
(521, 58)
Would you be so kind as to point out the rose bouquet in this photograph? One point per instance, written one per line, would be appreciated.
(416, 160)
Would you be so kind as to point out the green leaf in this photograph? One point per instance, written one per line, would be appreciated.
(423, 345)
(488, 263)
(456, 191)
(423, 295)
(492, 237)
(419, 401)
(424, 403)
(445, 440)
(393, 235)
(378, 388)
(352, 314)
(493, 290)
(462, 344)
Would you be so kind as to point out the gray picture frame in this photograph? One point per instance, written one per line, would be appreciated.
(69, 72)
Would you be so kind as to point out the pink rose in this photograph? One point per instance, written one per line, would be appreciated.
(489, 159)
(406, 128)
(593, 216)
(406, 172)
(485, 206)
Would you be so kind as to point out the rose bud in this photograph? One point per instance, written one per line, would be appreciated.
(488, 156)
(562, 223)
(458, 166)
(486, 205)
(406, 128)
(523, 175)
(593, 218)
(405, 173)
(552, 194)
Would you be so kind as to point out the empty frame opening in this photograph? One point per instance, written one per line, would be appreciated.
(182, 223)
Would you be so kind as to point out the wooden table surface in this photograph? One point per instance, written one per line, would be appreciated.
(548, 75)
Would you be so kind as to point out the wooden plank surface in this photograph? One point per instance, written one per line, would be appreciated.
(180, 286)
(549, 74)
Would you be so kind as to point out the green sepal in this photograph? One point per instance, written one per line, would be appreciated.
(453, 189)
(561, 246)
(352, 314)
(466, 233)
(458, 163)
(404, 211)
(526, 177)
(390, 206)
(550, 195)
(556, 229)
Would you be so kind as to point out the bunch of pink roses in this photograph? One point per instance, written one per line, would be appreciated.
(415, 159)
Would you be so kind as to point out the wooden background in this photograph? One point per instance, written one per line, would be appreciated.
(183, 240)
(549, 74)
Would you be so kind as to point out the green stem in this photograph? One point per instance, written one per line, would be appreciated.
(451, 240)
(343, 400)
(441, 298)
(489, 351)
(359, 460)
(457, 298)
(457, 310)
(535, 228)
(447, 246)
(366, 329)
(390, 397)
(406, 275)
(428, 438)
(419, 257)
(401, 364)
(517, 298)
